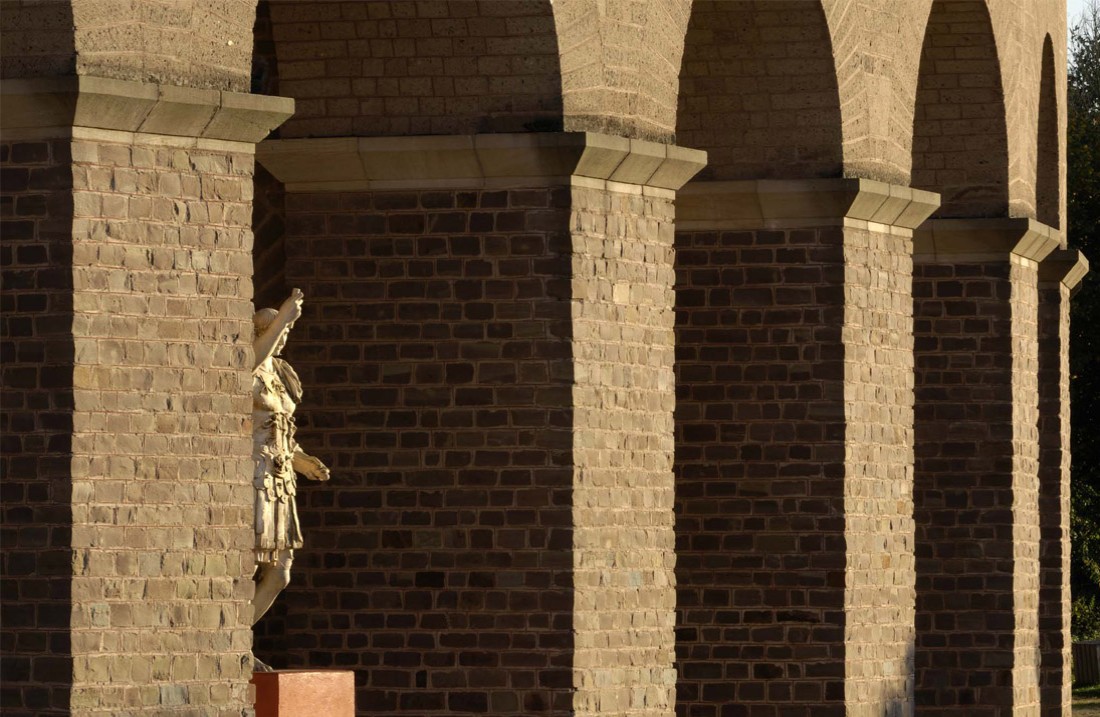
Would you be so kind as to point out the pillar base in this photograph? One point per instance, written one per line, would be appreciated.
(290, 693)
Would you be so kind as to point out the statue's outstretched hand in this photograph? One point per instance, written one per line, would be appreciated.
(292, 307)
(312, 468)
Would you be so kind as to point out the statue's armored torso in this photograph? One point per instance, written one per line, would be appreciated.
(273, 449)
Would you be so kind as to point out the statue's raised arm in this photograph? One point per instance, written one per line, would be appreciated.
(276, 325)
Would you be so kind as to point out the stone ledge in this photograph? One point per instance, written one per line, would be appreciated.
(103, 103)
(1067, 266)
(780, 203)
(984, 239)
(478, 160)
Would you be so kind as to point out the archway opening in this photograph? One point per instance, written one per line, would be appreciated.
(960, 140)
(758, 91)
(1048, 148)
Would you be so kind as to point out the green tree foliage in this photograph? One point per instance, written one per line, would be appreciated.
(1084, 234)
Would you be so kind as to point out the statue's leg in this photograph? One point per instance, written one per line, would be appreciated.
(273, 577)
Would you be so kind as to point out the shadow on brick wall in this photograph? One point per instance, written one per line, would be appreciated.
(37, 354)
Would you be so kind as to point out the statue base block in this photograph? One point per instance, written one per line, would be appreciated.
(294, 693)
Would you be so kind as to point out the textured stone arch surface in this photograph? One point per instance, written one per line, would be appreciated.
(37, 39)
(192, 43)
(877, 46)
(620, 60)
(1048, 149)
(1019, 28)
(399, 68)
(960, 140)
(758, 91)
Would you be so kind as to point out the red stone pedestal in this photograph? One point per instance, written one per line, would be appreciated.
(305, 693)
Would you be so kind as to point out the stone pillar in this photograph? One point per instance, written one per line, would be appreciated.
(794, 446)
(127, 359)
(975, 298)
(487, 351)
(1059, 274)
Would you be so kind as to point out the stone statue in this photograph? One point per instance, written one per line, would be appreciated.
(276, 391)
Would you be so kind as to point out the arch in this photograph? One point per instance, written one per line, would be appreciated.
(960, 138)
(1048, 203)
(188, 43)
(877, 49)
(758, 91)
(390, 67)
(619, 62)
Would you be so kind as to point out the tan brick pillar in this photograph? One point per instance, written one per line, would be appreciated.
(487, 351)
(794, 446)
(127, 286)
(976, 305)
(1059, 275)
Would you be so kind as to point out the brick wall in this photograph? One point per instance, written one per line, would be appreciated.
(497, 536)
(760, 471)
(975, 487)
(1054, 499)
(793, 471)
(435, 353)
(269, 245)
(162, 509)
(758, 91)
(36, 352)
(960, 141)
(623, 540)
(395, 68)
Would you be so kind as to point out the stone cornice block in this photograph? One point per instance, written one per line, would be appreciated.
(1067, 266)
(784, 203)
(985, 239)
(27, 105)
(342, 164)
(181, 111)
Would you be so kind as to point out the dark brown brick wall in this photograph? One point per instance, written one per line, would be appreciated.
(1054, 496)
(36, 353)
(975, 490)
(760, 472)
(794, 471)
(269, 240)
(435, 352)
(394, 68)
